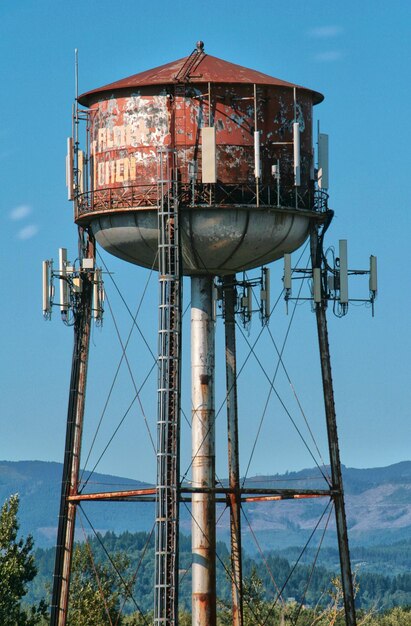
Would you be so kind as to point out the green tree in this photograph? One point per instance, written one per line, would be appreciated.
(96, 591)
(256, 609)
(17, 568)
(398, 616)
(334, 615)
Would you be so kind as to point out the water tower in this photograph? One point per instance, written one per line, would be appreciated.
(202, 168)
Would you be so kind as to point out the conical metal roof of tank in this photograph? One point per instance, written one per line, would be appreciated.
(198, 67)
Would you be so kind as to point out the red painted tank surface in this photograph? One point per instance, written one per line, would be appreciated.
(127, 131)
(133, 119)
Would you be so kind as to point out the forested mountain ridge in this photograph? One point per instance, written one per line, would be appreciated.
(378, 504)
(378, 590)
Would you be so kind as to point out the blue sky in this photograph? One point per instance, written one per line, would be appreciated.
(357, 54)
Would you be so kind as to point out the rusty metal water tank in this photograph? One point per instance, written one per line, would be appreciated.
(205, 123)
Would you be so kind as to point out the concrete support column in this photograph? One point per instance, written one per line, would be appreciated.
(203, 452)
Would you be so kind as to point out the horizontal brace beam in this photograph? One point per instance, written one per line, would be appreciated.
(328, 299)
(246, 494)
(296, 496)
(259, 491)
(111, 495)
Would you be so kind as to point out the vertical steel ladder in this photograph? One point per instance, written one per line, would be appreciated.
(169, 384)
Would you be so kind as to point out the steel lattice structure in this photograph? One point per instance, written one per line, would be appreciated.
(168, 420)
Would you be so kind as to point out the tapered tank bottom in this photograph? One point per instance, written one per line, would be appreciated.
(213, 240)
(203, 452)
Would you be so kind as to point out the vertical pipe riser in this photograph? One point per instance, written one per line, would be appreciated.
(203, 450)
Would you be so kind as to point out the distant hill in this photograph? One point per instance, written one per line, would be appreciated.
(378, 504)
(38, 484)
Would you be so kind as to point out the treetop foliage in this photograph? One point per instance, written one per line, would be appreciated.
(17, 569)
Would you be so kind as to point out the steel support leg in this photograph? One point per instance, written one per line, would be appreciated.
(336, 475)
(233, 449)
(203, 450)
(71, 467)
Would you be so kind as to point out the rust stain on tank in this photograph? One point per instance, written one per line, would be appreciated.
(131, 119)
(127, 131)
(209, 69)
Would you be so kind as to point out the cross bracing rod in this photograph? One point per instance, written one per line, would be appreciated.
(71, 466)
(168, 412)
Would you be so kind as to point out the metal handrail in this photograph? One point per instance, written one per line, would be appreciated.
(199, 195)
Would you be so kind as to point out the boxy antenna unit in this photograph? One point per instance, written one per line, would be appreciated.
(297, 151)
(296, 144)
(98, 297)
(373, 275)
(246, 303)
(257, 158)
(265, 294)
(47, 289)
(72, 279)
(287, 273)
(317, 291)
(330, 281)
(209, 167)
(64, 291)
(323, 167)
(246, 296)
(80, 171)
(343, 271)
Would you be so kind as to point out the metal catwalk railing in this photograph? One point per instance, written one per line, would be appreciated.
(168, 424)
(145, 196)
